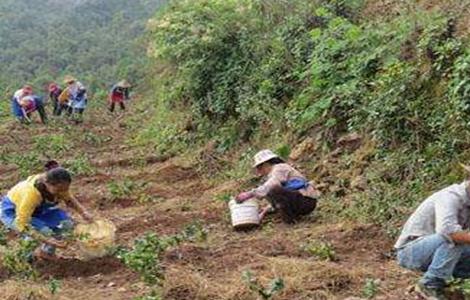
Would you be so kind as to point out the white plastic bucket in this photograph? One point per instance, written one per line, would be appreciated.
(245, 214)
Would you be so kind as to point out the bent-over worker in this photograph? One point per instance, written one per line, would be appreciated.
(34, 204)
(287, 190)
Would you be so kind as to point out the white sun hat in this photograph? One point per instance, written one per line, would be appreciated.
(264, 156)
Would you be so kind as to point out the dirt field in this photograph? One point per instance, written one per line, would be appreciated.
(205, 270)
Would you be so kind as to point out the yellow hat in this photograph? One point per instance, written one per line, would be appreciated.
(69, 79)
(123, 84)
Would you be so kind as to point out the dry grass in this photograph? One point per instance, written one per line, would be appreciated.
(26, 290)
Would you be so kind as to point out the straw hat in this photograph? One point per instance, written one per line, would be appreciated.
(69, 79)
(264, 156)
(123, 84)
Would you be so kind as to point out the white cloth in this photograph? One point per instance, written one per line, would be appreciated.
(444, 212)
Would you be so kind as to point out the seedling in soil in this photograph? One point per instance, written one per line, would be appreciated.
(154, 295)
(195, 232)
(17, 259)
(223, 197)
(3, 236)
(121, 189)
(52, 144)
(265, 293)
(321, 250)
(144, 257)
(80, 166)
(54, 285)
(371, 288)
(461, 286)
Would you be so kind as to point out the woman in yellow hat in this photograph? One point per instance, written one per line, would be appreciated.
(287, 190)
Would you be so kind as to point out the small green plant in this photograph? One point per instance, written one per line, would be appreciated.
(266, 293)
(194, 232)
(54, 285)
(144, 257)
(3, 236)
(321, 250)
(460, 285)
(226, 197)
(371, 288)
(27, 163)
(93, 139)
(153, 295)
(121, 189)
(17, 259)
(52, 144)
(80, 166)
(284, 151)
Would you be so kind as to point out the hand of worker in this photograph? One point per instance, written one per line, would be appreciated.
(243, 196)
(56, 243)
(87, 216)
(264, 212)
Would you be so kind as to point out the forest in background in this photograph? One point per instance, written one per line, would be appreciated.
(98, 41)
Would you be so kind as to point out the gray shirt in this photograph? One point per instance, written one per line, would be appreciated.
(444, 212)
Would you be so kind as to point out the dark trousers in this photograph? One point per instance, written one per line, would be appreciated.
(41, 111)
(58, 108)
(291, 204)
(113, 104)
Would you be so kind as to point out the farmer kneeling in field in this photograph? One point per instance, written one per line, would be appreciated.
(436, 240)
(33, 204)
(287, 190)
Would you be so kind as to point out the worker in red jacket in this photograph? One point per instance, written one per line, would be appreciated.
(118, 94)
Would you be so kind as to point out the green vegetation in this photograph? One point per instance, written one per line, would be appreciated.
(144, 257)
(98, 41)
(371, 288)
(17, 259)
(80, 165)
(52, 145)
(321, 250)
(54, 285)
(272, 73)
(265, 293)
(121, 189)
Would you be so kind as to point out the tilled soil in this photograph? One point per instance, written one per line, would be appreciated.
(181, 195)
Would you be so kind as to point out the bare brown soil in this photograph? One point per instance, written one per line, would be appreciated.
(204, 270)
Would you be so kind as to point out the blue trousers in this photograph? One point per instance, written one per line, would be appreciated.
(47, 219)
(438, 258)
